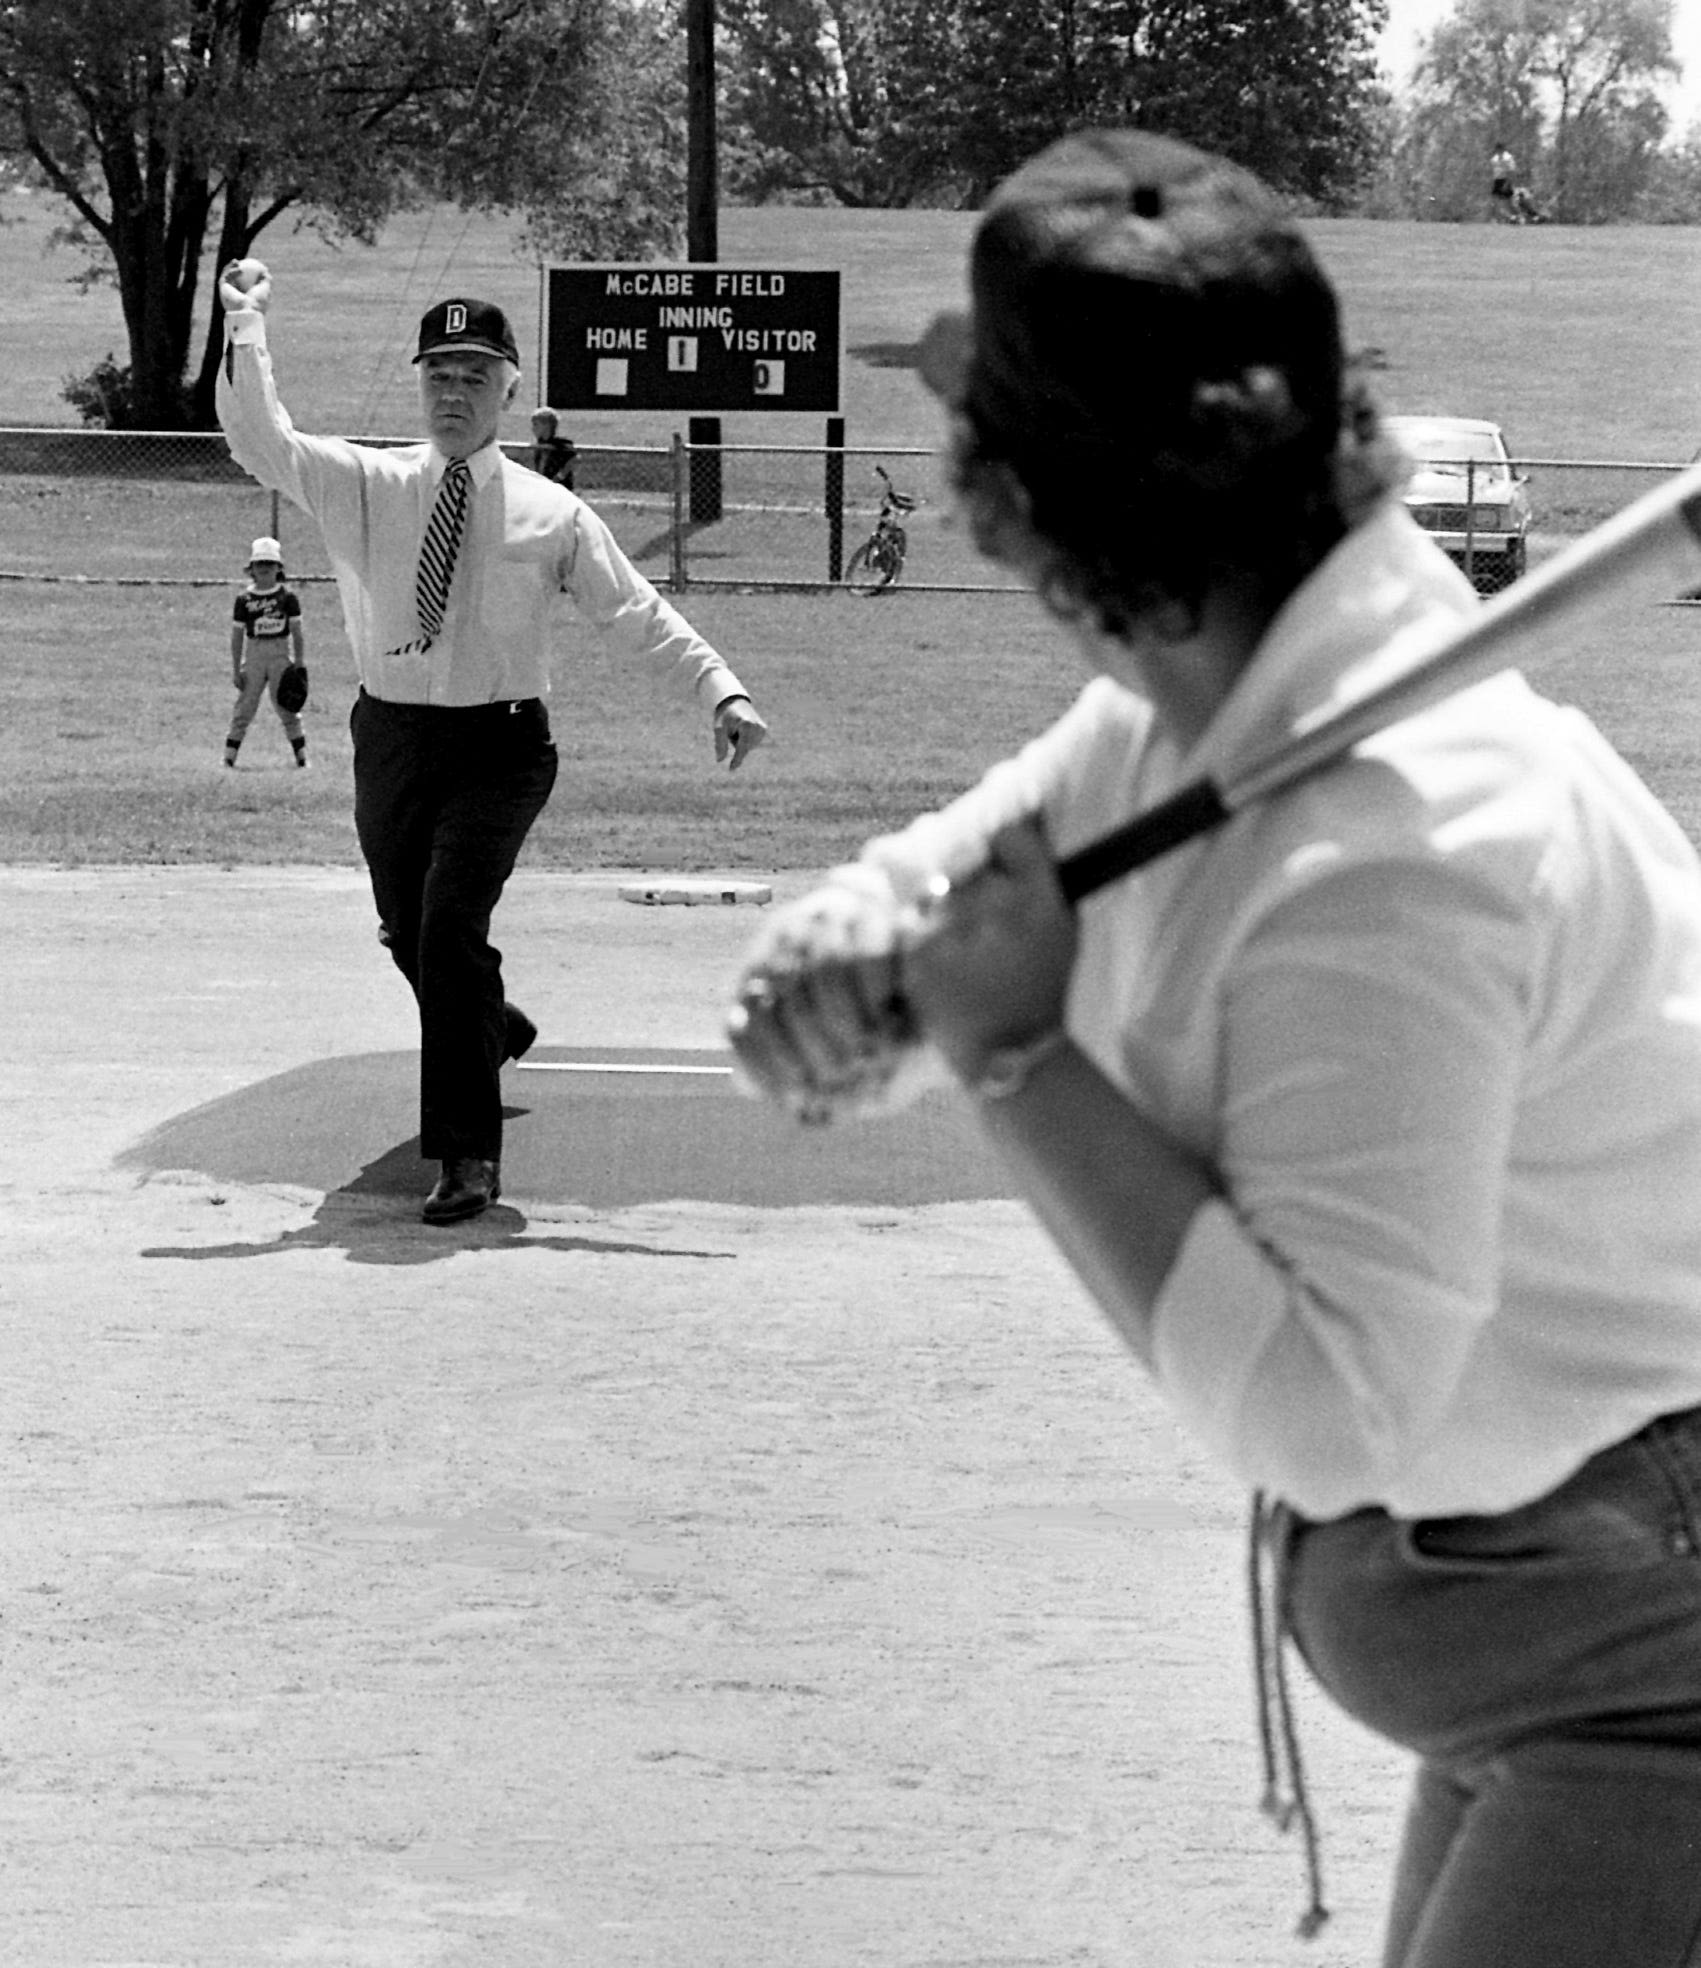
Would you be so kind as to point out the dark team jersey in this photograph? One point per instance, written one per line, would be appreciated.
(555, 457)
(264, 616)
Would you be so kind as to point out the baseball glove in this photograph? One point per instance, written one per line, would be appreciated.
(292, 688)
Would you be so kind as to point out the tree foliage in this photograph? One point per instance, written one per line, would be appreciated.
(1569, 85)
(609, 182)
(176, 130)
(1672, 194)
(838, 100)
(888, 102)
(1290, 90)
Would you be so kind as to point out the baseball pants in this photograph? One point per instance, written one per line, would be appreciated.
(261, 669)
(443, 801)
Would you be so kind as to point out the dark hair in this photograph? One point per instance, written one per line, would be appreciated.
(1157, 394)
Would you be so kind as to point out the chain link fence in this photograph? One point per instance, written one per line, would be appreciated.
(171, 509)
(1496, 532)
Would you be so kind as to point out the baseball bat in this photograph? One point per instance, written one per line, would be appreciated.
(1655, 540)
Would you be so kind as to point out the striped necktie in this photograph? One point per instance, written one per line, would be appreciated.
(438, 550)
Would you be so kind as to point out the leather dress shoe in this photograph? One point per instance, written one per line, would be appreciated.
(521, 1033)
(467, 1187)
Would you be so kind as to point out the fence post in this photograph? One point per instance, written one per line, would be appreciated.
(1471, 519)
(835, 498)
(681, 468)
(276, 535)
(706, 470)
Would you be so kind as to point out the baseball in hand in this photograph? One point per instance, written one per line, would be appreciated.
(244, 284)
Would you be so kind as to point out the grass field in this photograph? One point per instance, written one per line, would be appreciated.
(110, 742)
(1586, 344)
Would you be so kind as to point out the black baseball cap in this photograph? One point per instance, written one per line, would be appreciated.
(1111, 275)
(478, 326)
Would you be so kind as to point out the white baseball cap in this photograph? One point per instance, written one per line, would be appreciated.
(265, 548)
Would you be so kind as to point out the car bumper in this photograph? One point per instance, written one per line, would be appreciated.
(1496, 545)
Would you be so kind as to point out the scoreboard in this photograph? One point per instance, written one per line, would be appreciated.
(699, 338)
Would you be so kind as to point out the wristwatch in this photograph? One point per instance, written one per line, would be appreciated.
(1006, 1069)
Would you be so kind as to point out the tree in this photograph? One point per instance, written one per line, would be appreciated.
(1287, 87)
(172, 126)
(891, 101)
(1672, 195)
(839, 99)
(1600, 58)
(1568, 84)
(610, 185)
(1024, 75)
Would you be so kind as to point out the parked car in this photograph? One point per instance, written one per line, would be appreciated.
(1466, 493)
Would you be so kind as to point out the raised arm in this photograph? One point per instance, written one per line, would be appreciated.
(263, 440)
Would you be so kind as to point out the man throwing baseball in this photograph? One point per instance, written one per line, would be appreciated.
(448, 558)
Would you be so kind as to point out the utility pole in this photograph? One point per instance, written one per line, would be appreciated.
(702, 188)
(702, 221)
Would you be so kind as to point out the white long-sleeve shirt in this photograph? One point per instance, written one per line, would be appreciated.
(527, 541)
(1434, 1019)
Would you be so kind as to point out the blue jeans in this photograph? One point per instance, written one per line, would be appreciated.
(1545, 1667)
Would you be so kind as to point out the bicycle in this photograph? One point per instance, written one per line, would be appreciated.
(879, 561)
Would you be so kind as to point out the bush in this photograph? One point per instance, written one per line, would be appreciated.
(106, 400)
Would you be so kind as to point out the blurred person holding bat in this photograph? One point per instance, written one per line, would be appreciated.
(451, 561)
(1370, 1118)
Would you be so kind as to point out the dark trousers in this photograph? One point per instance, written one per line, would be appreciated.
(443, 801)
(1545, 1668)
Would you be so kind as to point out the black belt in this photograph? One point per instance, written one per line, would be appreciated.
(498, 707)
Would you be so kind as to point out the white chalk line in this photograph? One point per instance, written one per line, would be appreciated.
(613, 1066)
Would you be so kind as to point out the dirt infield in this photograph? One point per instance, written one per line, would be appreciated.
(732, 1552)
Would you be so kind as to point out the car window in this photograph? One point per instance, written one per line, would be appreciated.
(1451, 447)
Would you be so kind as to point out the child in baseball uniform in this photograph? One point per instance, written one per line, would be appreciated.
(265, 639)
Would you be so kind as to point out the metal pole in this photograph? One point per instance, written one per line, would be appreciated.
(677, 550)
(835, 498)
(702, 189)
(706, 486)
(702, 225)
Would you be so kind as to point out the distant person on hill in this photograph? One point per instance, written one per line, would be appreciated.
(265, 640)
(553, 453)
(1503, 181)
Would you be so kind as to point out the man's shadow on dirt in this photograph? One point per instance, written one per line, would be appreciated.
(603, 1129)
(375, 1219)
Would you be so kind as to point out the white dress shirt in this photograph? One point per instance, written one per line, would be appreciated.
(527, 541)
(1434, 1019)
